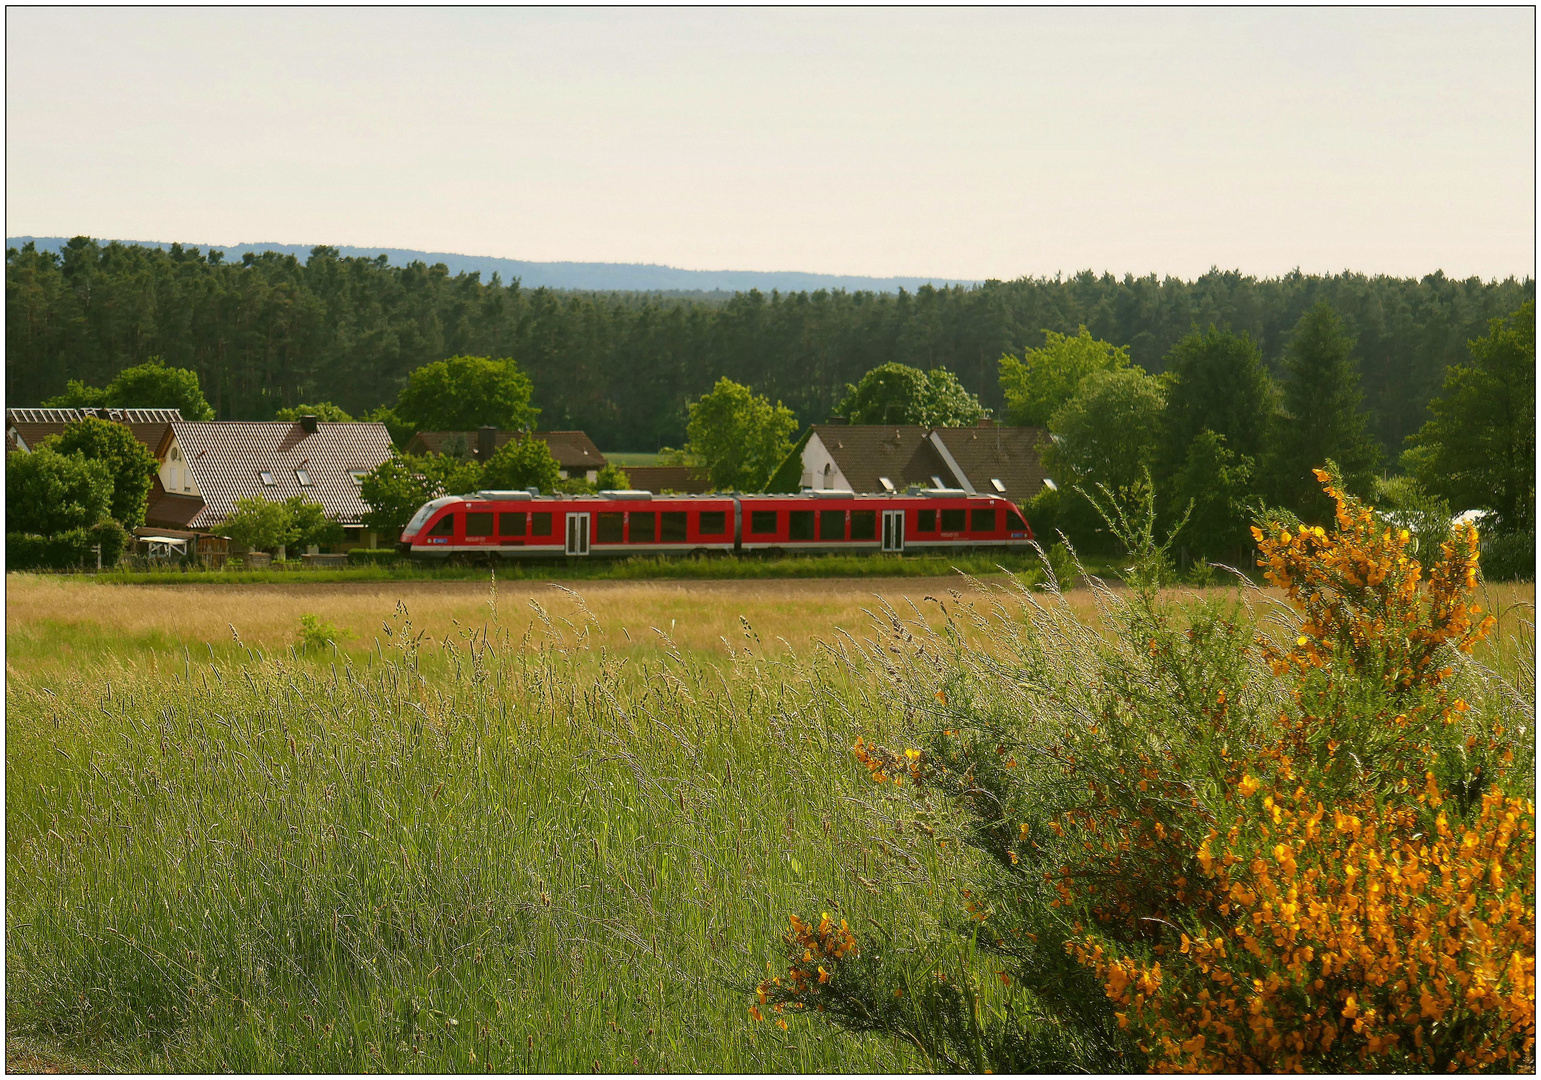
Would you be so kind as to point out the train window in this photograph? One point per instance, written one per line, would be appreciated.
(672, 527)
(925, 521)
(445, 526)
(713, 522)
(644, 527)
(479, 523)
(864, 524)
(1014, 521)
(511, 524)
(762, 521)
(831, 524)
(540, 524)
(609, 528)
(982, 520)
(800, 524)
(952, 520)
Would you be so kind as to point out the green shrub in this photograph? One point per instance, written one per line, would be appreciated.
(372, 556)
(315, 633)
(1194, 839)
(69, 550)
(1509, 556)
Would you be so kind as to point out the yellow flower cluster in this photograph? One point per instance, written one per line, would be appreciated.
(1365, 603)
(814, 950)
(1402, 941)
(885, 765)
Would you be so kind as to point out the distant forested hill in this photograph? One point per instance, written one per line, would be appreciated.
(270, 330)
(605, 277)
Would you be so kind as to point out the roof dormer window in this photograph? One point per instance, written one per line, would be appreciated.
(303, 477)
(997, 485)
(267, 479)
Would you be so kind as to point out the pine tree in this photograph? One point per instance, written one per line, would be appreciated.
(1321, 418)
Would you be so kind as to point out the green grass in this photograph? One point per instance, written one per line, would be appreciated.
(516, 856)
(664, 568)
(624, 458)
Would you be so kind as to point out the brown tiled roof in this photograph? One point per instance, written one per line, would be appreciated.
(865, 452)
(168, 511)
(658, 478)
(227, 457)
(573, 450)
(1012, 455)
(29, 432)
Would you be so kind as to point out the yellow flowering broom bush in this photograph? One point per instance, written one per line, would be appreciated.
(1206, 839)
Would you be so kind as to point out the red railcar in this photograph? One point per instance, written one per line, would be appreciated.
(522, 524)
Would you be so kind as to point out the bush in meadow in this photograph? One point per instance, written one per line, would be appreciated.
(1199, 839)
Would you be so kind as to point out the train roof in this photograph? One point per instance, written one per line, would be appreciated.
(650, 496)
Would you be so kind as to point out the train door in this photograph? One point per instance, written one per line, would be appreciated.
(577, 534)
(893, 530)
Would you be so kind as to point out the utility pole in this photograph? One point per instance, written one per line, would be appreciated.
(98, 549)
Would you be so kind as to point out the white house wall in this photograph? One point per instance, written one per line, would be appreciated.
(820, 472)
(175, 476)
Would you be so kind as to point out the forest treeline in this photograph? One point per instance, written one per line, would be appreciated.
(270, 331)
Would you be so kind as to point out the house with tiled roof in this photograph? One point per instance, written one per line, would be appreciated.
(575, 453)
(875, 458)
(25, 428)
(206, 466)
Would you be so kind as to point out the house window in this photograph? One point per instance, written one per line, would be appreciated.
(358, 477)
(888, 485)
(303, 477)
(267, 479)
(997, 485)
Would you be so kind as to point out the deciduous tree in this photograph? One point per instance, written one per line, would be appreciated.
(1044, 379)
(900, 394)
(131, 465)
(739, 436)
(463, 393)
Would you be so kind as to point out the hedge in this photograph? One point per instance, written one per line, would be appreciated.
(372, 556)
(67, 550)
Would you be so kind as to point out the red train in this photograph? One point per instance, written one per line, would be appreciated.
(523, 524)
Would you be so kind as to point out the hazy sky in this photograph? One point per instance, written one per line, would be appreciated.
(962, 143)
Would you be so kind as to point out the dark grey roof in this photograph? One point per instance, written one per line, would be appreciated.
(865, 452)
(1012, 455)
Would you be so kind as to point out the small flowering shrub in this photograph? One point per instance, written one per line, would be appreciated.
(1200, 839)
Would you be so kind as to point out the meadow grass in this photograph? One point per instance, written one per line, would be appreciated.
(636, 568)
(476, 835)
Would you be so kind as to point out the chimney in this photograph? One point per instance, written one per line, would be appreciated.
(486, 443)
(986, 421)
(308, 422)
(838, 420)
